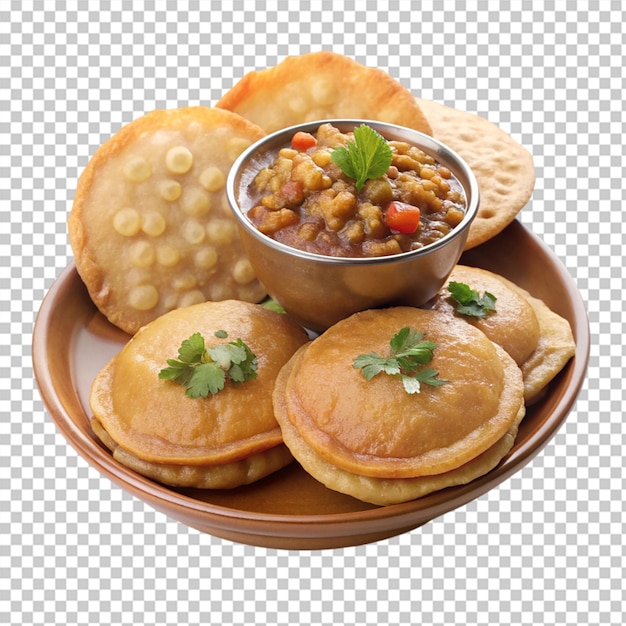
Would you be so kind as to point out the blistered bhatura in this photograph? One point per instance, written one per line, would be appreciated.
(150, 226)
(322, 85)
(504, 169)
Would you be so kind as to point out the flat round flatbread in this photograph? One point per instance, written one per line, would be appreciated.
(157, 422)
(151, 228)
(512, 324)
(373, 427)
(386, 491)
(320, 86)
(225, 476)
(555, 348)
(504, 169)
(540, 340)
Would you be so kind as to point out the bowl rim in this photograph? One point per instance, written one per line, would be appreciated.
(428, 144)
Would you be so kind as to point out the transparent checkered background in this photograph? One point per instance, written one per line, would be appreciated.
(546, 547)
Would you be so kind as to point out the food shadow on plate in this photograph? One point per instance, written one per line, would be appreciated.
(289, 491)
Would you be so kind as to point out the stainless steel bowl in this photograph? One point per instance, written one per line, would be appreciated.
(319, 290)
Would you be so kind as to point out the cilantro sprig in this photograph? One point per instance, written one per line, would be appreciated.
(272, 305)
(408, 354)
(470, 302)
(367, 157)
(204, 370)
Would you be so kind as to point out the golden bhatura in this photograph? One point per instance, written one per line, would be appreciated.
(540, 341)
(162, 429)
(322, 85)
(411, 427)
(150, 226)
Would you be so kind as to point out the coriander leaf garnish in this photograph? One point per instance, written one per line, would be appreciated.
(272, 305)
(428, 376)
(203, 371)
(470, 302)
(367, 157)
(192, 349)
(373, 364)
(206, 378)
(408, 353)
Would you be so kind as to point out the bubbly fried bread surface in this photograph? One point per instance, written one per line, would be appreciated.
(503, 168)
(224, 476)
(319, 86)
(150, 226)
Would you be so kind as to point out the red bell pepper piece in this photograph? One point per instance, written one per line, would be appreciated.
(402, 217)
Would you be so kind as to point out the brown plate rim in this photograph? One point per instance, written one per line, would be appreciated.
(408, 514)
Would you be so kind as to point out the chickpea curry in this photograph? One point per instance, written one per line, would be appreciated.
(304, 199)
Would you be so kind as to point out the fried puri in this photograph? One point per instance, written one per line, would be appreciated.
(513, 325)
(371, 439)
(319, 86)
(504, 169)
(224, 440)
(555, 348)
(539, 340)
(150, 226)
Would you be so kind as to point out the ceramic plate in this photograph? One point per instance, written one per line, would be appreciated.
(289, 509)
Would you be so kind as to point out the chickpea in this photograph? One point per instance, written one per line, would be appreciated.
(378, 191)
